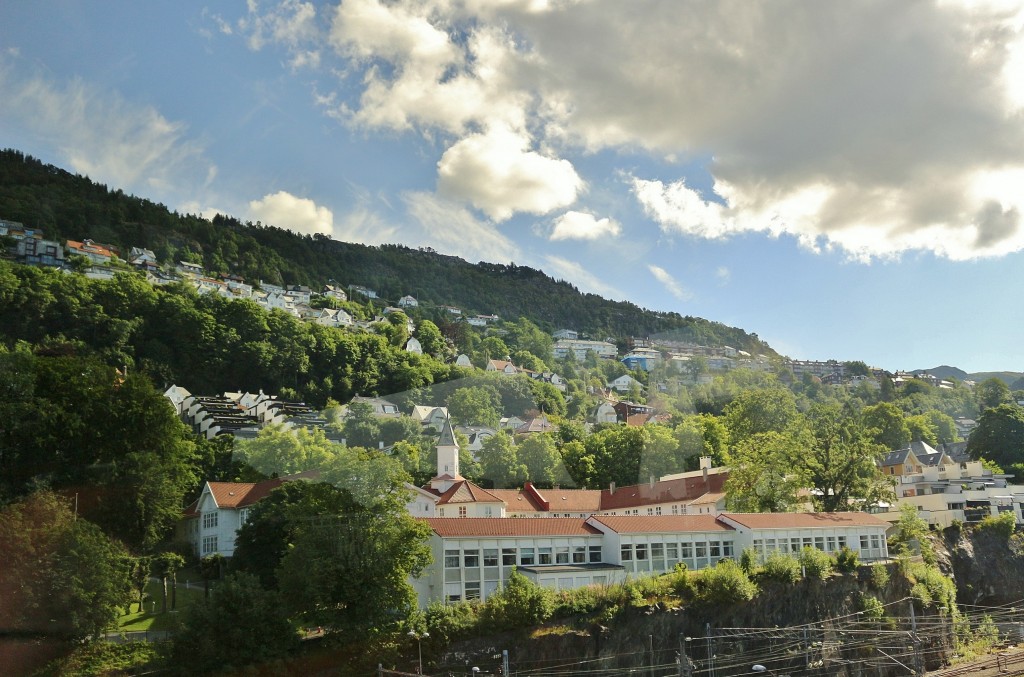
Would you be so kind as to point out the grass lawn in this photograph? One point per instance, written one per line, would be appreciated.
(190, 591)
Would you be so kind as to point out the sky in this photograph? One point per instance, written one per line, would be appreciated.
(845, 180)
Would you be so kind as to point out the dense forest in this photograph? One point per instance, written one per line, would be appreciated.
(67, 206)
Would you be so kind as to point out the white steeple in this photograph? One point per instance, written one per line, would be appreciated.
(447, 459)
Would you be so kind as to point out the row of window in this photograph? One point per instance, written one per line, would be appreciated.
(824, 543)
(464, 512)
(674, 551)
(563, 554)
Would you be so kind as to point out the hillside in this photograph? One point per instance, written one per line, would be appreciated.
(1014, 379)
(67, 206)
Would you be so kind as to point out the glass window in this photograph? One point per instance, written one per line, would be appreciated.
(727, 549)
(650, 511)
(686, 550)
(508, 557)
(545, 555)
(451, 559)
(526, 556)
(863, 542)
(769, 544)
(875, 542)
(473, 590)
(462, 511)
(794, 545)
(819, 542)
(759, 546)
(209, 520)
(830, 543)
(595, 553)
(673, 551)
(658, 550)
(842, 541)
(715, 548)
(641, 551)
(471, 558)
(808, 542)
(701, 549)
(626, 553)
(579, 554)
(562, 554)
(491, 558)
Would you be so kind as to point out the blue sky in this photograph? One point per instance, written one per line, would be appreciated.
(847, 181)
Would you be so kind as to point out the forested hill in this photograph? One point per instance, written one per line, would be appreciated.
(67, 206)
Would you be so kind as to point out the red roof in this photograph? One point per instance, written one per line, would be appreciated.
(467, 492)
(647, 524)
(680, 490)
(242, 494)
(499, 527)
(802, 520)
(557, 500)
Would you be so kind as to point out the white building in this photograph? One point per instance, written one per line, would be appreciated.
(578, 348)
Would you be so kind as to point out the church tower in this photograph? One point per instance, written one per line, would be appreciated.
(447, 459)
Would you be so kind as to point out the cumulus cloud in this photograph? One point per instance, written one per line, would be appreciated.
(102, 135)
(873, 128)
(670, 283)
(498, 174)
(297, 214)
(574, 225)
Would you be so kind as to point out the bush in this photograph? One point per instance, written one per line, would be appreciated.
(1003, 526)
(879, 576)
(872, 607)
(816, 563)
(847, 560)
(447, 623)
(748, 561)
(579, 601)
(725, 583)
(932, 588)
(782, 568)
(520, 604)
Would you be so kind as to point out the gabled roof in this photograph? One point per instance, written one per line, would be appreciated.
(497, 527)
(897, 457)
(241, 494)
(467, 492)
(648, 524)
(803, 520)
(554, 500)
(682, 489)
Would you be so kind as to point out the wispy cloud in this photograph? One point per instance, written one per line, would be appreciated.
(670, 283)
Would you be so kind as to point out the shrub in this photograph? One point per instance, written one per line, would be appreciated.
(816, 563)
(847, 560)
(879, 576)
(1003, 526)
(683, 585)
(521, 603)
(578, 601)
(932, 588)
(782, 568)
(447, 623)
(956, 527)
(872, 607)
(748, 561)
(725, 583)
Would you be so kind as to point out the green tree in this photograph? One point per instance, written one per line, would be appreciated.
(992, 392)
(841, 464)
(922, 429)
(999, 436)
(499, 462)
(765, 474)
(280, 451)
(543, 463)
(167, 566)
(61, 576)
(241, 624)
(432, 340)
(760, 411)
(475, 405)
(886, 425)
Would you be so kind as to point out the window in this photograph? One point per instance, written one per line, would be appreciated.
(808, 541)
(544, 555)
(875, 544)
(441, 514)
(641, 551)
(686, 550)
(562, 554)
(471, 558)
(675, 509)
(595, 553)
(209, 544)
(508, 557)
(842, 541)
(579, 554)
(462, 511)
(243, 516)
(209, 519)
(819, 542)
(701, 549)
(830, 543)
(759, 546)
(794, 546)
(488, 511)
(626, 553)
(673, 551)
(472, 589)
(863, 542)
(769, 544)
(526, 557)
(657, 511)
(715, 548)
(727, 549)
(491, 558)
(451, 559)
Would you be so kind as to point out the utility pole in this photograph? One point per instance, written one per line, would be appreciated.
(650, 653)
(504, 662)
(918, 663)
(711, 656)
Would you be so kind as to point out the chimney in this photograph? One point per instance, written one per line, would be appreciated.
(611, 488)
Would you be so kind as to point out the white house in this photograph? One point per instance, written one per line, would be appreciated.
(408, 302)
(413, 346)
(428, 415)
(624, 383)
(463, 361)
(502, 366)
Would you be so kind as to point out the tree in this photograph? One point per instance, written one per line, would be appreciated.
(475, 405)
(167, 565)
(61, 576)
(999, 436)
(886, 425)
(760, 411)
(241, 624)
(992, 392)
(499, 462)
(764, 473)
(279, 451)
(432, 341)
(922, 430)
(543, 463)
(841, 464)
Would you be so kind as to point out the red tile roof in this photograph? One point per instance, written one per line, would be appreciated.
(242, 494)
(678, 490)
(467, 492)
(646, 524)
(498, 527)
(558, 500)
(802, 520)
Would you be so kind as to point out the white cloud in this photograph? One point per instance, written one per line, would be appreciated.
(498, 174)
(670, 283)
(102, 135)
(288, 22)
(574, 225)
(297, 214)
(451, 228)
(575, 273)
(873, 128)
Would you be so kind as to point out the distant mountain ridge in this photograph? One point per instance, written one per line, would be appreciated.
(1014, 379)
(68, 206)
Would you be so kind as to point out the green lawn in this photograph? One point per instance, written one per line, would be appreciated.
(190, 591)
